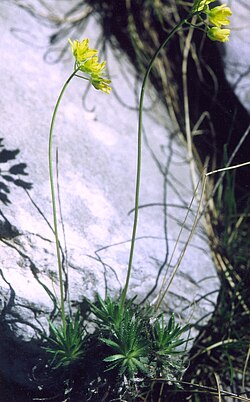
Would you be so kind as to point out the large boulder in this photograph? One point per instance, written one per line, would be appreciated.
(97, 148)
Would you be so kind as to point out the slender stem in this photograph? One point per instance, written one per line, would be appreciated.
(139, 144)
(163, 292)
(52, 188)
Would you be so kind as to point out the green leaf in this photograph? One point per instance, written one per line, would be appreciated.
(113, 358)
(65, 344)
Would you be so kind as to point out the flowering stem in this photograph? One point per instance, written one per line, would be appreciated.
(139, 145)
(52, 189)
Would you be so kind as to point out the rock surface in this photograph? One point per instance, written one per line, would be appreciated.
(96, 163)
(237, 57)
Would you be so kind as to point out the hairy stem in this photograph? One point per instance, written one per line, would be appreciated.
(52, 189)
(139, 144)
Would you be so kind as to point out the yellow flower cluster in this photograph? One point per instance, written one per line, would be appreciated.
(86, 60)
(217, 16)
(201, 5)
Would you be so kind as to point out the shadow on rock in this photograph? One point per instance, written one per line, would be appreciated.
(10, 174)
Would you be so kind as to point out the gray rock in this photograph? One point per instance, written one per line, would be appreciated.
(237, 57)
(97, 159)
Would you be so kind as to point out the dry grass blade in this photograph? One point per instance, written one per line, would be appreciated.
(245, 370)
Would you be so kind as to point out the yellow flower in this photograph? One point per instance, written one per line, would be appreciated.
(102, 84)
(87, 62)
(215, 33)
(81, 50)
(93, 67)
(219, 15)
(201, 5)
